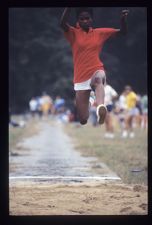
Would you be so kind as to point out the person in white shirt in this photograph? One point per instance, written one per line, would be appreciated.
(110, 96)
(33, 106)
(122, 107)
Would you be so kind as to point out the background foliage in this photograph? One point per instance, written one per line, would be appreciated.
(40, 58)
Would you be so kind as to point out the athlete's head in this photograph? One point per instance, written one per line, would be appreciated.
(84, 17)
(128, 89)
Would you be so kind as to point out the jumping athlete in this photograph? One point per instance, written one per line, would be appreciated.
(89, 73)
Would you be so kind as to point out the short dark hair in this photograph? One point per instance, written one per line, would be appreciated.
(84, 9)
(128, 87)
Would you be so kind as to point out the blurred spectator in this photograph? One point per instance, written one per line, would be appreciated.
(131, 113)
(14, 123)
(59, 105)
(46, 104)
(73, 115)
(120, 110)
(93, 106)
(110, 96)
(144, 106)
(39, 106)
(33, 106)
(139, 115)
(65, 116)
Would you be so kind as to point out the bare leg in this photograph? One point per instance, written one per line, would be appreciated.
(129, 123)
(108, 123)
(82, 104)
(97, 83)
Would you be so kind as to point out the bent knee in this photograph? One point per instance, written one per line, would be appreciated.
(97, 81)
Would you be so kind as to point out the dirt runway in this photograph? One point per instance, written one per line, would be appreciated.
(50, 153)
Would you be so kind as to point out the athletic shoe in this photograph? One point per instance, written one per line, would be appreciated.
(124, 134)
(109, 135)
(101, 113)
(106, 135)
(132, 135)
(22, 123)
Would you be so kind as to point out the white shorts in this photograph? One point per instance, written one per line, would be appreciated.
(86, 84)
(133, 112)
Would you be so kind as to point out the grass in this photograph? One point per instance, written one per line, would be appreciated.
(16, 134)
(121, 155)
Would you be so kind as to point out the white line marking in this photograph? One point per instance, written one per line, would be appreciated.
(65, 178)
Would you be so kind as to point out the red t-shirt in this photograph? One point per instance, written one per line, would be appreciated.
(86, 48)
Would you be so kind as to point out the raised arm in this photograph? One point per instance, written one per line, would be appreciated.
(64, 19)
(123, 22)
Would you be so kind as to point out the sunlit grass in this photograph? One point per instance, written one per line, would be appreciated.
(16, 134)
(121, 155)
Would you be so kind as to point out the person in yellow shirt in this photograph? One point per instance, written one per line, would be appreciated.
(132, 112)
(131, 98)
(47, 104)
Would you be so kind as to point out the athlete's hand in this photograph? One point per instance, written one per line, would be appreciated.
(124, 13)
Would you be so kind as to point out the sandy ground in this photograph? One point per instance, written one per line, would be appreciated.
(30, 198)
